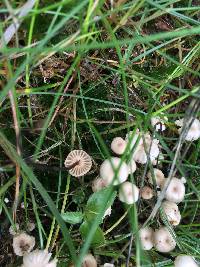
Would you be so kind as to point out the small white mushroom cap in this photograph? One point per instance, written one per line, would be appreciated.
(108, 265)
(172, 212)
(98, 184)
(146, 192)
(193, 132)
(159, 177)
(14, 230)
(131, 166)
(23, 243)
(175, 191)
(132, 139)
(89, 261)
(107, 212)
(163, 240)
(146, 238)
(128, 193)
(185, 261)
(78, 162)
(149, 146)
(118, 145)
(159, 123)
(108, 174)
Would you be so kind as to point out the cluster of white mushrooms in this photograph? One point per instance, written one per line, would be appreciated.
(115, 171)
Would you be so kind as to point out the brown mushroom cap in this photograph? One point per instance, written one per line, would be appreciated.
(78, 162)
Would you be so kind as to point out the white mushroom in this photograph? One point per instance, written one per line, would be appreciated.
(107, 172)
(193, 132)
(131, 166)
(98, 184)
(163, 240)
(175, 191)
(146, 238)
(23, 244)
(107, 212)
(146, 192)
(89, 261)
(128, 193)
(108, 265)
(150, 147)
(78, 162)
(14, 229)
(185, 261)
(158, 175)
(38, 258)
(172, 212)
(133, 138)
(159, 123)
(118, 145)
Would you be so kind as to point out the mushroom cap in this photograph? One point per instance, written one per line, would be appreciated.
(133, 139)
(172, 212)
(98, 184)
(159, 123)
(78, 162)
(89, 261)
(159, 177)
(128, 193)
(38, 258)
(175, 191)
(146, 192)
(185, 261)
(108, 174)
(108, 265)
(193, 132)
(118, 145)
(146, 238)
(149, 146)
(23, 243)
(163, 240)
(131, 166)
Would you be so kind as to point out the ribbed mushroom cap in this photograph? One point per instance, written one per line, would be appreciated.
(163, 240)
(78, 162)
(23, 243)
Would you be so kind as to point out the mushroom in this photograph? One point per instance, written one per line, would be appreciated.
(175, 191)
(146, 238)
(78, 162)
(98, 184)
(146, 192)
(131, 166)
(118, 145)
(185, 261)
(108, 265)
(149, 146)
(172, 212)
(128, 193)
(131, 139)
(108, 169)
(159, 177)
(193, 132)
(159, 123)
(163, 240)
(38, 258)
(89, 261)
(23, 243)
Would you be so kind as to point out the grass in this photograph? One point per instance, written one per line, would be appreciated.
(75, 75)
